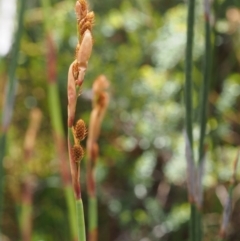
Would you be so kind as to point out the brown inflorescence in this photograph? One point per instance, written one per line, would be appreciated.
(78, 153)
(77, 69)
(80, 130)
(86, 23)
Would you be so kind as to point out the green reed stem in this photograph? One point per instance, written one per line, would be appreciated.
(72, 211)
(26, 221)
(92, 216)
(205, 89)
(81, 222)
(188, 69)
(204, 101)
(10, 97)
(188, 98)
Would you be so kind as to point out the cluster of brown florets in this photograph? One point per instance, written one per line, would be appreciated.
(80, 132)
(77, 69)
(85, 20)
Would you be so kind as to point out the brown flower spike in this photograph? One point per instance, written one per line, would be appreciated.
(76, 74)
(78, 153)
(77, 69)
(80, 130)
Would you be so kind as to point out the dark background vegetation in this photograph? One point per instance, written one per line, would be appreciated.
(140, 46)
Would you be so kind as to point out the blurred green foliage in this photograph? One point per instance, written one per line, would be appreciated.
(140, 47)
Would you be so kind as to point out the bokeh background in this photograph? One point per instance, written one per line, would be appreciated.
(141, 174)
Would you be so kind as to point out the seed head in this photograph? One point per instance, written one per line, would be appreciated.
(78, 153)
(81, 9)
(80, 130)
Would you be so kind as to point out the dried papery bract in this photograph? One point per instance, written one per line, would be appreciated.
(85, 21)
(100, 103)
(72, 96)
(83, 55)
(81, 10)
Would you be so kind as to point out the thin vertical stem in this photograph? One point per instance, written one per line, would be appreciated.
(9, 101)
(188, 70)
(81, 222)
(204, 104)
(205, 87)
(188, 97)
(92, 202)
(93, 218)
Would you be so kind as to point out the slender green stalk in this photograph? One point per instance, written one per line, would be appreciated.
(26, 221)
(81, 222)
(188, 70)
(9, 98)
(92, 214)
(205, 87)
(203, 105)
(72, 211)
(188, 98)
(92, 218)
(92, 199)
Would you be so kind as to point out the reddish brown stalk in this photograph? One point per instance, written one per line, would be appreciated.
(100, 103)
(29, 181)
(91, 163)
(51, 59)
(75, 172)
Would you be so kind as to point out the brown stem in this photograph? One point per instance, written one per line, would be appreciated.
(75, 172)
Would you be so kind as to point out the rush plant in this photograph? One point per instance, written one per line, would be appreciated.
(76, 133)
